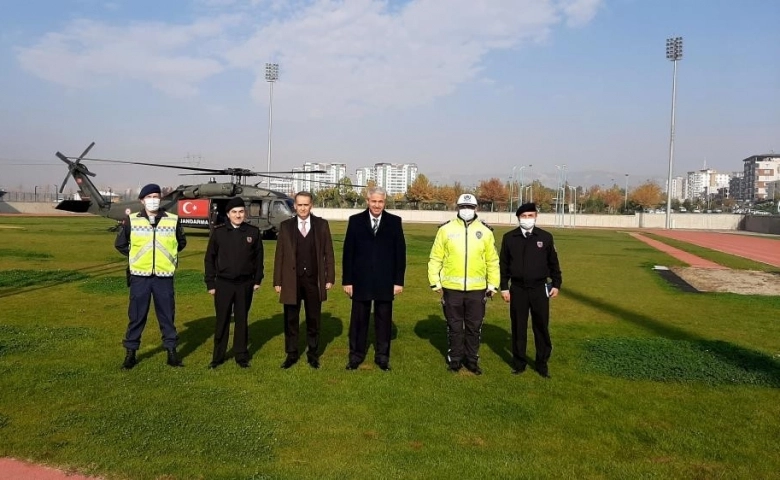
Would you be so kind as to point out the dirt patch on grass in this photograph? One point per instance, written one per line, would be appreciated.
(743, 282)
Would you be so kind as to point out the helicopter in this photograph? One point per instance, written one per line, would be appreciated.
(197, 206)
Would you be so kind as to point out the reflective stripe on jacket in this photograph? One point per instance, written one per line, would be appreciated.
(153, 250)
(464, 257)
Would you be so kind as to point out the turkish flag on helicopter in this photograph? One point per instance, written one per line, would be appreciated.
(194, 208)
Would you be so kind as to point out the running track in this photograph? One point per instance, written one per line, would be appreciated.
(761, 249)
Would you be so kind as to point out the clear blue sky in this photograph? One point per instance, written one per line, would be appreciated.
(466, 89)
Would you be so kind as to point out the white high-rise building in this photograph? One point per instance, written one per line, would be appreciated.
(309, 181)
(703, 183)
(395, 177)
(678, 188)
(283, 185)
(363, 176)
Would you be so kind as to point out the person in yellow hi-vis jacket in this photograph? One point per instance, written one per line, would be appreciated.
(152, 240)
(463, 268)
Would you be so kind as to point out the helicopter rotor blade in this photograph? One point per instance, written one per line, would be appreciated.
(162, 165)
(85, 152)
(67, 175)
(221, 171)
(73, 166)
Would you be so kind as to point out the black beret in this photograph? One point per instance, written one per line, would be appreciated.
(235, 202)
(526, 207)
(149, 189)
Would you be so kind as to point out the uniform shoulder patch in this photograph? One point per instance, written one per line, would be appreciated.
(485, 224)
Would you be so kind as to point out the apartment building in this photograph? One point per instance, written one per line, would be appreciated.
(393, 177)
(306, 179)
(758, 172)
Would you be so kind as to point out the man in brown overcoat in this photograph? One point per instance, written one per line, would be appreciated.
(304, 271)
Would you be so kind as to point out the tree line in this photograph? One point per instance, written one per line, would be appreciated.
(497, 196)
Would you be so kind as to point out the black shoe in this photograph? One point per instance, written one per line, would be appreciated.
(173, 360)
(130, 360)
(518, 370)
(214, 364)
(473, 368)
(384, 366)
(454, 367)
(352, 366)
(314, 363)
(289, 362)
(544, 373)
(243, 363)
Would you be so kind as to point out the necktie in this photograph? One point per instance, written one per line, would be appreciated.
(303, 228)
(376, 225)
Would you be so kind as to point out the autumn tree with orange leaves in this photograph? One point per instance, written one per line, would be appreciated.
(492, 191)
(647, 195)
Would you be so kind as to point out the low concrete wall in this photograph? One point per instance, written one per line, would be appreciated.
(694, 221)
(33, 208)
(757, 224)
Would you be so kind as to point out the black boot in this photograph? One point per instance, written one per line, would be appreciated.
(130, 360)
(173, 360)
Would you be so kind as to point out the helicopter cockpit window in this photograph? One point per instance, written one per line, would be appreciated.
(280, 208)
(254, 209)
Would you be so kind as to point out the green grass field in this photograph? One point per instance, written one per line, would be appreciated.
(648, 382)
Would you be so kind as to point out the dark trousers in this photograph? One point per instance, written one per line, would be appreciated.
(142, 289)
(465, 312)
(521, 301)
(309, 294)
(358, 330)
(236, 298)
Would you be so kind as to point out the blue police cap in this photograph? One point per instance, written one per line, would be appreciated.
(149, 189)
(526, 207)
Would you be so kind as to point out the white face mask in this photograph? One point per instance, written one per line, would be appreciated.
(527, 223)
(466, 214)
(152, 204)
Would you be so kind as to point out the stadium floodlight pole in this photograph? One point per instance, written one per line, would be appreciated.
(674, 52)
(573, 217)
(559, 206)
(511, 187)
(522, 183)
(557, 193)
(271, 76)
(625, 201)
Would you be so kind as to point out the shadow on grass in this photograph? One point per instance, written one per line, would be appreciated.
(648, 323)
(262, 331)
(192, 335)
(330, 328)
(434, 329)
(500, 341)
(736, 357)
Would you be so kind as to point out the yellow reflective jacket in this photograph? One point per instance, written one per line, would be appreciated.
(464, 257)
(153, 250)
